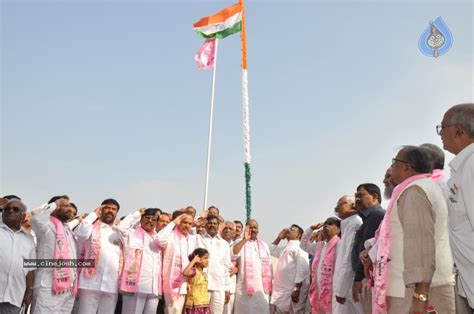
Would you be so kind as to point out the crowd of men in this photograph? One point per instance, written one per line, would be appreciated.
(414, 256)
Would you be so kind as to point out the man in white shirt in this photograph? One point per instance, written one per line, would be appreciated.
(44, 300)
(457, 134)
(343, 273)
(291, 283)
(149, 287)
(98, 286)
(254, 280)
(176, 246)
(227, 233)
(17, 245)
(218, 270)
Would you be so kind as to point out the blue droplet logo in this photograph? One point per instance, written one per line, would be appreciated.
(436, 40)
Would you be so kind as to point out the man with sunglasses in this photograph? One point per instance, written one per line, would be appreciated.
(457, 133)
(16, 246)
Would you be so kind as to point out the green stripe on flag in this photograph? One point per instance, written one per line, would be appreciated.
(223, 34)
(248, 191)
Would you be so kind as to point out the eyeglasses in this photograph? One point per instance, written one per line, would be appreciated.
(15, 209)
(440, 128)
(394, 160)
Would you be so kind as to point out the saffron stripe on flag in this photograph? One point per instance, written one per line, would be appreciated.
(219, 17)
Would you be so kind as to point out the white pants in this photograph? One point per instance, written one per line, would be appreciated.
(174, 305)
(217, 301)
(92, 301)
(229, 307)
(45, 302)
(140, 303)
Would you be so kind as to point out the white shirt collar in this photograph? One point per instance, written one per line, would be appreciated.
(461, 157)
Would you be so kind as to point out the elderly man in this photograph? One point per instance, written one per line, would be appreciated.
(368, 199)
(54, 287)
(343, 273)
(457, 134)
(254, 280)
(413, 268)
(17, 245)
(177, 245)
(98, 285)
(218, 271)
(290, 287)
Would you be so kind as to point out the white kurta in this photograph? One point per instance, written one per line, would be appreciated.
(343, 273)
(258, 302)
(106, 276)
(16, 246)
(292, 268)
(461, 218)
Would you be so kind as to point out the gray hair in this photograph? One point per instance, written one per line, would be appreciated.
(463, 115)
(230, 223)
(350, 198)
(437, 154)
(418, 158)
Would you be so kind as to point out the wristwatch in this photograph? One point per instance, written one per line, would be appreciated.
(420, 297)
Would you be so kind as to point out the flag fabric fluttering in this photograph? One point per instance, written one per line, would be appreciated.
(222, 24)
(205, 57)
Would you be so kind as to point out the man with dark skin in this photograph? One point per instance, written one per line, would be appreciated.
(16, 245)
(163, 221)
(238, 229)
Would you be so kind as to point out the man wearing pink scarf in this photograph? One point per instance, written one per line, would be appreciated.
(177, 244)
(254, 280)
(413, 268)
(324, 262)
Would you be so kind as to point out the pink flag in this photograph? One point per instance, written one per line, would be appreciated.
(205, 57)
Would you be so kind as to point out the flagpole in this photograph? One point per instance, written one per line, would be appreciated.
(209, 138)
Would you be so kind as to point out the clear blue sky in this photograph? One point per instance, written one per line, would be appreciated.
(103, 99)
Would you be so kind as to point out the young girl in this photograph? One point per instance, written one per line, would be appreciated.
(197, 298)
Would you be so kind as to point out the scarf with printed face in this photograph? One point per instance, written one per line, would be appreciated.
(320, 296)
(175, 260)
(133, 263)
(94, 249)
(382, 237)
(62, 277)
(264, 255)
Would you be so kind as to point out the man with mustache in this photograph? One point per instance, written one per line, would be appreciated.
(254, 280)
(218, 270)
(98, 291)
(177, 244)
(17, 244)
(141, 282)
(54, 287)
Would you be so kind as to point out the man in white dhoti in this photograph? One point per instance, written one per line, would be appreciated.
(141, 283)
(290, 287)
(343, 273)
(98, 285)
(53, 289)
(254, 280)
(218, 270)
(177, 244)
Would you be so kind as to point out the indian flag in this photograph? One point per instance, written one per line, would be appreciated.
(221, 24)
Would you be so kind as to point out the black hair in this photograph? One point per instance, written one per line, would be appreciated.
(215, 208)
(239, 222)
(151, 211)
(300, 230)
(176, 214)
(12, 197)
(199, 252)
(333, 220)
(111, 201)
(211, 217)
(57, 197)
(73, 206)
(372, 189)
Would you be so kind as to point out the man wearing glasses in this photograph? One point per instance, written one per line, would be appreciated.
(457, 133)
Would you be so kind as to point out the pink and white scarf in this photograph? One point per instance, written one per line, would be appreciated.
(94, 249)
(62, 277)
(131, 271)
(264, 255)
(322, 301)
(382, 237)
(174, 262)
